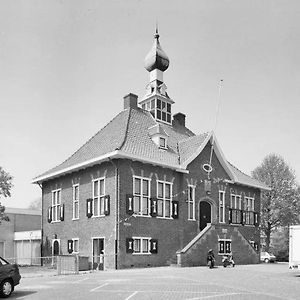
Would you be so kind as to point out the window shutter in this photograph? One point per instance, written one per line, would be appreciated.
(89, 207)
(70, 246)
(49, 213)
(227, 247)
(62, 212)
(153, 210)
(221, 247)
(107, 205)
(129, 204)
(230, 216)
(256, 220)
(153, 246)
(256, 246)
(129, 245)
(175, 209)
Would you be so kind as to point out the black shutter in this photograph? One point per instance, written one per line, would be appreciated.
(153, 246)
(230, 216)
(49, 214)
(70, 246)
(129, 204)
(221, 247)
(62, 212)
(129, 245)
(153, 210)
(256, 219)
(175, 209)
(89, 207)
(107, 205)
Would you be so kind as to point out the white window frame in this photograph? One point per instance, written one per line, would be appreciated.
(140, 213)
(224, 241)
(162, 110)
(249, 208)
(75, 240)
(222, 207)
(75, 201)
(164, 199)
(55, 205)
(99, 198)
(164, 146)
(191, 202)
(141, 245)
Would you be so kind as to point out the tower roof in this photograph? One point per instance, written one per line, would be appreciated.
(156, 58)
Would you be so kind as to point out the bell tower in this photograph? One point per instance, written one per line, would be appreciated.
(157, 100)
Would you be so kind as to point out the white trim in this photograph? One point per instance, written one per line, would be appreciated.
(57, 205)
(97, 238)
(193, 201)
(77, 201)
(141, 245)
(53, 240)
(223, 206)
(110, 155)
(98, 197)
(164, 199)
(141, 195)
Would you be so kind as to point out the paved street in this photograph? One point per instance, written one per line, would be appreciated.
(265, 281)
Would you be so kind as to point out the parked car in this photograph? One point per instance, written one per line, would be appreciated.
(267, 257)
(9, 277)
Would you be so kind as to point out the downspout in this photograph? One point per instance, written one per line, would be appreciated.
(117, 212)
(42, 231)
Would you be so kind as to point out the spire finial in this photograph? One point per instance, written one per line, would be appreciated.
(156, 35)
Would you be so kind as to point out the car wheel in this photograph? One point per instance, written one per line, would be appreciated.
(6, 288)
(267, 260)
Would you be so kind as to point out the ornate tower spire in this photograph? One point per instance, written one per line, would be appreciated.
(156, 99)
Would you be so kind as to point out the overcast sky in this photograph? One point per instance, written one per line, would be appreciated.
(66, 65)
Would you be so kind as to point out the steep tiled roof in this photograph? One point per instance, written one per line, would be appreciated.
(128, 135)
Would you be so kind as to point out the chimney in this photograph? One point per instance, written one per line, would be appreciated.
(130, 100)
(179, 119)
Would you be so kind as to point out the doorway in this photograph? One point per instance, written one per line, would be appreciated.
(204, 214)
(98, 253)
(55, 247)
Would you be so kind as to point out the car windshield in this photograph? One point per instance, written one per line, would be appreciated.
(3, 262)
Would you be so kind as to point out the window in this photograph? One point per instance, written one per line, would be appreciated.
(164, 199)
(56, 200)
(224, 246)
(191, 202)
(236, 206)
(249, 211)
(75, 201)
(75, 245)
(162, 142)
(98, 197)
(141, 245)
(141, 196)
(221, 206)
(163, 111)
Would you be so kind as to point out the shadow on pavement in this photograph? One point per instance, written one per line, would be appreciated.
(20, 294)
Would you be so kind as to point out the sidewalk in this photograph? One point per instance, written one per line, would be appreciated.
(36, 271)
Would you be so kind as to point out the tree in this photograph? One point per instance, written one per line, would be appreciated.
(36, 204)
(281, 205)
(5, 187)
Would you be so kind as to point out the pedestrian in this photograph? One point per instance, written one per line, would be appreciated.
(210, 258)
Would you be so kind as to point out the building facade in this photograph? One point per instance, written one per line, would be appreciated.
(20, 237)
(147, 191)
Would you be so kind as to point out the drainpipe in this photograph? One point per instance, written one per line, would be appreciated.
(117, 212)
(42, 231)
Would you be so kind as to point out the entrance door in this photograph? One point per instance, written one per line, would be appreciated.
(98, 248)
(56, 247)
(204, 214)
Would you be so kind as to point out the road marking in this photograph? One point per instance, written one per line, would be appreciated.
(98, 287)
(78, 281)
(213, 296)
(131, 295)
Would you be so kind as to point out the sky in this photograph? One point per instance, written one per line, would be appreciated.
(65, 67)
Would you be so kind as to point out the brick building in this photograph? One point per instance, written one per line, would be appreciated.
(147, 191)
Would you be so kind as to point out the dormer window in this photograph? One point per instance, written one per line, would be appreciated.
(162, 143)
